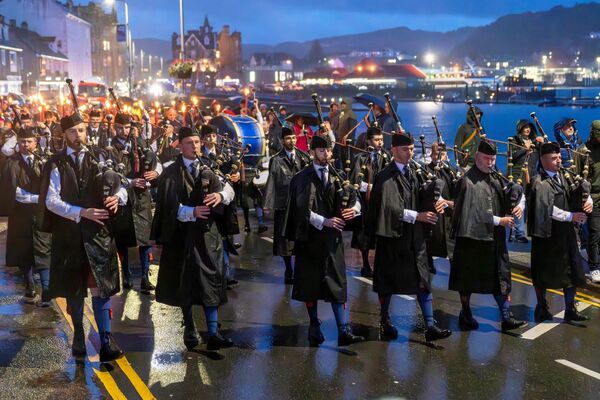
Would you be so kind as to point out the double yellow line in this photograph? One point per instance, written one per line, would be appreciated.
(582, 297)
(105, 377)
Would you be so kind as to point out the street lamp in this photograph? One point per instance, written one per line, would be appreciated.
(429, 59)
(127, 39)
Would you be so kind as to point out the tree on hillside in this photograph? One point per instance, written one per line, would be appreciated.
(316, 52)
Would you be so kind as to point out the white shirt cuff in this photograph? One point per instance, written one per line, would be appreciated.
(364, 186)
(409, 216)
(185, 214)
(227, 193)
(561, 215)
(122, 195)
(496, 220)
(317, 220)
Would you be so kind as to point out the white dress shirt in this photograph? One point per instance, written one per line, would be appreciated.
(318, 220)
(60, 207)
(21, 195)
(186, 213)
(559, 214)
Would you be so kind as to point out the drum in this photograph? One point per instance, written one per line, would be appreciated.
(244, 129)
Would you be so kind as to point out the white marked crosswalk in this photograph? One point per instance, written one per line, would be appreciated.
(579, 368)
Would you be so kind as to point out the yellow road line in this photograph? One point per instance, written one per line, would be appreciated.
(135, 379)
(587, 296)
(577, 297)
(124, 364)
(106, 378)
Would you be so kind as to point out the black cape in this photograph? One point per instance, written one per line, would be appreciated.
(364, 169)
(320, 270)
(133, 223)
(480, 260)
(400, 254)
(83, 254)
(281, 171)
(26, 244)
(191, 267)
(555, 259)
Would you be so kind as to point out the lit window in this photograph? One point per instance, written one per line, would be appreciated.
(252, 76)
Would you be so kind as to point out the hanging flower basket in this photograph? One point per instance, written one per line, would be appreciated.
(181, 69)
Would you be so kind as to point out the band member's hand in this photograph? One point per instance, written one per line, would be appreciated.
(517, 212)
(334, 223)
(150, 175)
(539, 139)
(588, 207)
(327, 126)
(94, 214)
(441, 205)
(579, 217)
(139, 183)
(427, 217)
(213, 199)
(348, 213)
(235, 178)
(201, 212)
(111, 203)
(507, 222)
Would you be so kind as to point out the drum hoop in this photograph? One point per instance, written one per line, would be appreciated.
(234, 123)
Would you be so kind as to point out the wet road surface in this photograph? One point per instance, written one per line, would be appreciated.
(272, 359)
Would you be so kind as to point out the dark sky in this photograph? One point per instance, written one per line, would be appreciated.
(274, 21)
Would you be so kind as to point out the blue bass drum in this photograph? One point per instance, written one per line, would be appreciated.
(244, 129)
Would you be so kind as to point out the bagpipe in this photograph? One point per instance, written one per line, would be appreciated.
(430, 187)
(109, 177)
(346, 193)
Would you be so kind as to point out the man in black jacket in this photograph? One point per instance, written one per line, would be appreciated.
(26, 245)
(314, 221)
(282, 167)
(78, 200)
(191, 204)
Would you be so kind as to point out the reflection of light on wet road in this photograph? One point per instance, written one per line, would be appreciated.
(131, 306)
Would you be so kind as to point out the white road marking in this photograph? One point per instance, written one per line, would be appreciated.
(579, 368)
(365, 280)
(544, 327)
(268, 239)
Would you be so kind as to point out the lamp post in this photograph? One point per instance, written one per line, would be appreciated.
(181, 52)
(127, 41)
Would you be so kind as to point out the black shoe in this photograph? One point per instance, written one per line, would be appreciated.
(262, 228)
(127, 284)
(146, 285)
(387, 330)
(315, 336)
(190, 337)
(467, 322)
(218, 341)
(289, 277)
(346, 337)
(513, 323)
(232, 282)
(574, 315)
(367, 272)
(522, 239)
(434, 333)
(247, 228)
(237, 245)
(542, 313)
(78, 346)
(110, 351)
